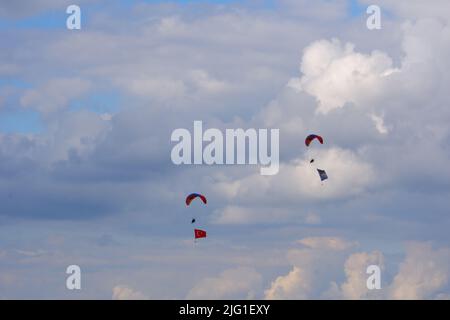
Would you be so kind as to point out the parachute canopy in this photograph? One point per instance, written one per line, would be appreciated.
(192, 196)
(311, 137)
(322, 174)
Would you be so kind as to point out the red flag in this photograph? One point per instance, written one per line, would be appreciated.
(199, 233)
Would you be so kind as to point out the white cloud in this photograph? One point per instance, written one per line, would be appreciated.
(295, 285)
(252, 215)
(313, 268)
(203, 81)
(330, 243)
(126, 293)
(379, 124)
(423, 273)
(335, 74)
(355, 287)
(239, 282)
(348, 174)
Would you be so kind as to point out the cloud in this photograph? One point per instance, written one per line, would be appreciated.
(246, 215)
(242, 215)
(415, 8)
(335, 74)
(349, 175)
(331, 243)
(126, 293)
(313, 268)
(379, 124)
(422, 274)
(379, 99)
(32, 254)
(294, 285)
(55, 94)
(152, 87)
(355, 286)
(241, 283)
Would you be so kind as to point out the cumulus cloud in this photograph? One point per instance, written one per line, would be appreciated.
(127, 293)
(424, 272)
(355, 287)
(242, 283)
(335, 74)
(294, 285)
(349, 175)
(311, 270)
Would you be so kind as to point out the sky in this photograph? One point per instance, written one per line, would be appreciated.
(86, 176)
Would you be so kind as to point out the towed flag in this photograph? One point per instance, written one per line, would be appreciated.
(199, 233)
(322, 174)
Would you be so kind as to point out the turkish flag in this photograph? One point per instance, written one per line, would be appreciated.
(199, 233)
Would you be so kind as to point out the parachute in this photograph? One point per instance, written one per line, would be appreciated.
(311, 137)
(192, 196)
(197, 232)
(323, 175)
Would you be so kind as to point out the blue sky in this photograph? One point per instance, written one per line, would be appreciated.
(86, 176)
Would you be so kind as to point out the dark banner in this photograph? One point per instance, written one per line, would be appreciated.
(229, 309)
